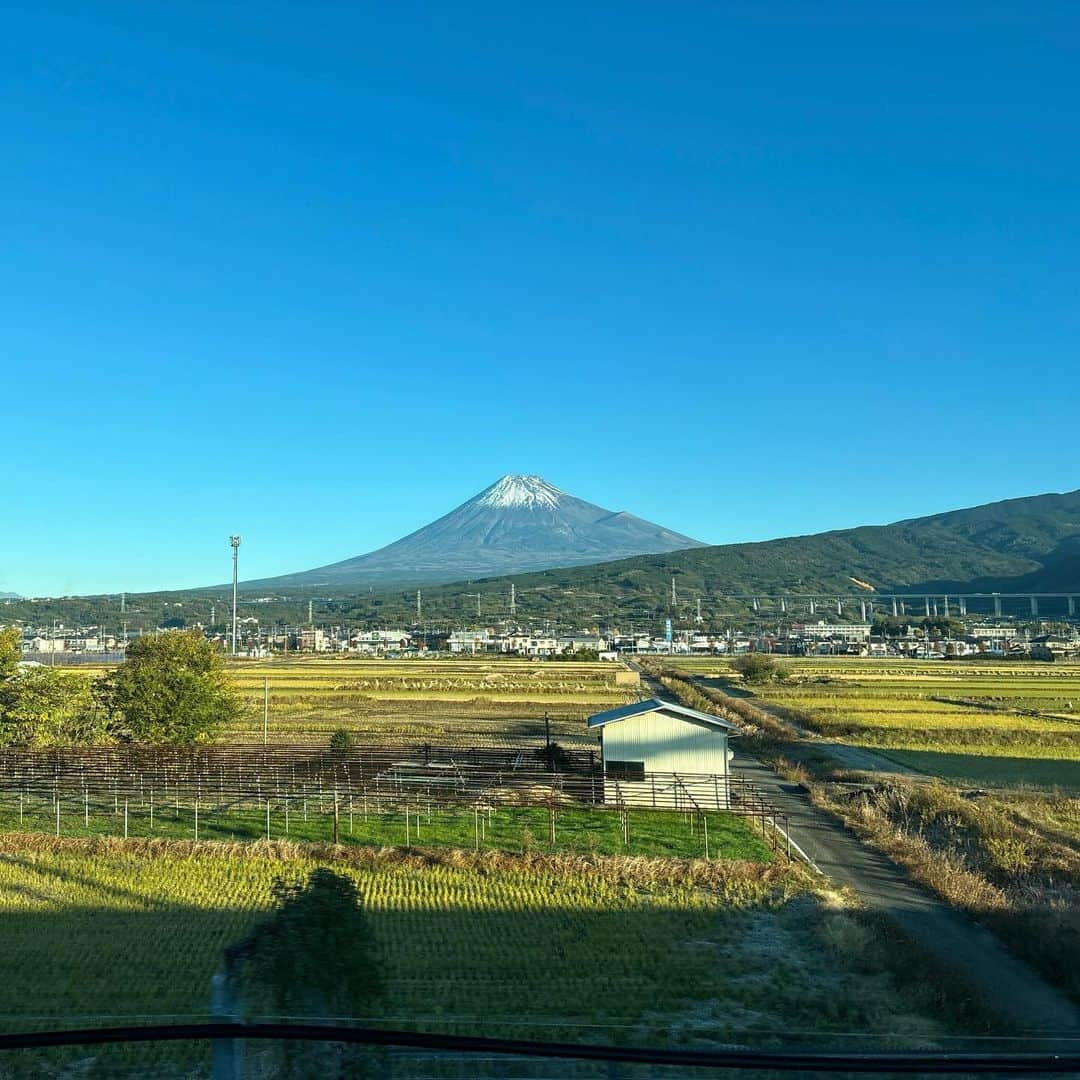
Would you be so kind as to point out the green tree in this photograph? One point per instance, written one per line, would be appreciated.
(341, 740)
(755, 667)
(10, 652)
(41, 706)
(173, 688)
(944, 626)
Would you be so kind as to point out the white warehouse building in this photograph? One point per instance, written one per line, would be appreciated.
(657, 753)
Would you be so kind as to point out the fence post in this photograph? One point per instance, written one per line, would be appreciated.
(227, 1054)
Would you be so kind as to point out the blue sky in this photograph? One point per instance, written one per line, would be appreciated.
(317, 273)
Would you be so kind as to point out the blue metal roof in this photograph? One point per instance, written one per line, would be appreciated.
(656, 705)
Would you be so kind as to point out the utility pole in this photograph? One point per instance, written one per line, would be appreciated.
(266, 708)
(478, 607)
(234, 543)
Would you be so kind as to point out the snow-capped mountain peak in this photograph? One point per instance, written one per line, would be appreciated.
(519, 523)
(521, 491)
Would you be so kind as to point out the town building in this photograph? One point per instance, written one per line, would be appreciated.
(471, 641)
(851, 633)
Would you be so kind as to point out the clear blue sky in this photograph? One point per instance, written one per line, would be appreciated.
(318, 273)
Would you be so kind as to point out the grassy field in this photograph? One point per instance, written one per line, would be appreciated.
(994, 725)
(517, 829)
(549, 947)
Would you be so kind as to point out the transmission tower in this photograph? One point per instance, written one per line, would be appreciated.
(513, 600)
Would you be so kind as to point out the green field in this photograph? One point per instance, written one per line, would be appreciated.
(515, 829)
(108, 932)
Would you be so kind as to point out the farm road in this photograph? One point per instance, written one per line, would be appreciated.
(852, 757)
(1005, 984)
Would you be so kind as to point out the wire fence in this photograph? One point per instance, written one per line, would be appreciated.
(359, 794)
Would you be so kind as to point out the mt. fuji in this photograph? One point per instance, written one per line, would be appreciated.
(520, 523)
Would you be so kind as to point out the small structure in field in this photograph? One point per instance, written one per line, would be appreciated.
(657, 753)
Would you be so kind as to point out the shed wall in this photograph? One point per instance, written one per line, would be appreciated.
(667, 744)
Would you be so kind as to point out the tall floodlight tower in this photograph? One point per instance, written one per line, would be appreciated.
(234, 543)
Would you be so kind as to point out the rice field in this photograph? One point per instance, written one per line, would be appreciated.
(996, 725)
(464, 701)
(111, 931)
(468, 701)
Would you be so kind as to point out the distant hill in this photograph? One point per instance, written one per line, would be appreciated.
(10, 596)
(1011, 546)
(1019, 545)
(518, 524)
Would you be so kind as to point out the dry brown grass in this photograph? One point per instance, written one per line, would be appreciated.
(1016, 872)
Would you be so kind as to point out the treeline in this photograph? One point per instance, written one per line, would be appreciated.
(172, 689)
(899, 625)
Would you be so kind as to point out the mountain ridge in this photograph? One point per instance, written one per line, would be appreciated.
(1031, 544)
(1014, 545)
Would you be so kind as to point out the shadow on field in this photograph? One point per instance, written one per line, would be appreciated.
(990, 770)
(675, 975)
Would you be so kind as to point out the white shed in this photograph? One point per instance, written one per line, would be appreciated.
(658, 753)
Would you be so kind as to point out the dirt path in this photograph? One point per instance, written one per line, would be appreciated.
(1004, 983)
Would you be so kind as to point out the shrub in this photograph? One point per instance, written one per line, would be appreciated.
(755, 667)
(341, 740)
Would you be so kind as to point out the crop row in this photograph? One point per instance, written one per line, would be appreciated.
(570, 954)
